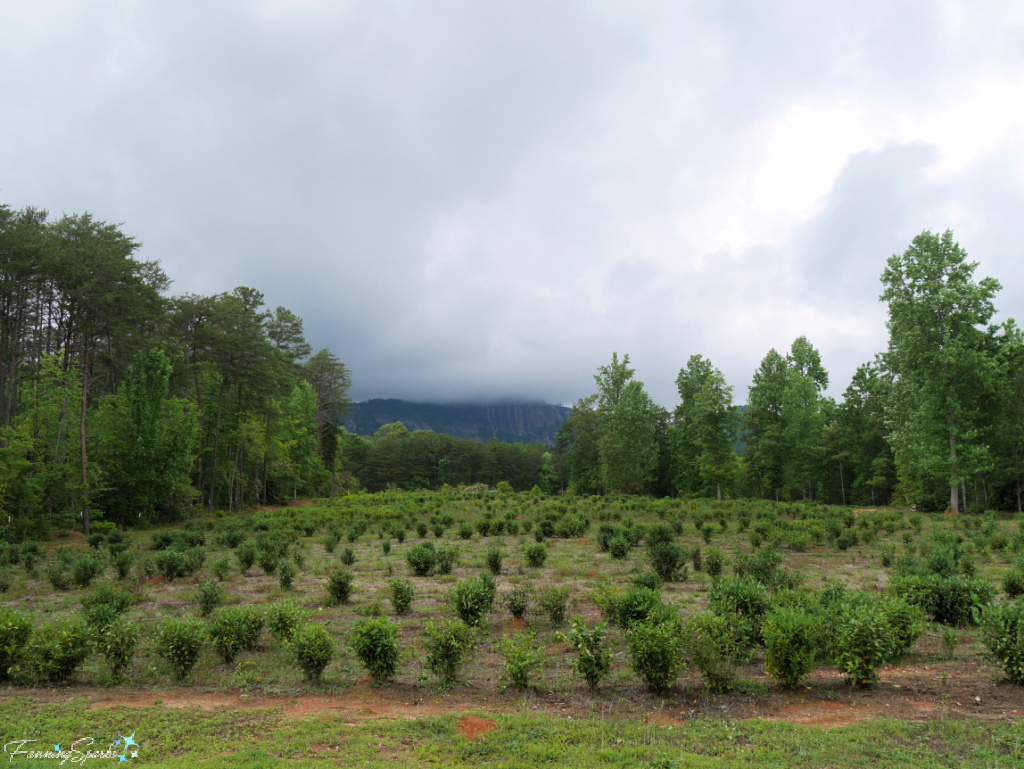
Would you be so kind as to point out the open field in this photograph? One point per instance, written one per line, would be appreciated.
(944, 703)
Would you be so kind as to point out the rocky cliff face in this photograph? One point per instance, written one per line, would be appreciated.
(511, 422)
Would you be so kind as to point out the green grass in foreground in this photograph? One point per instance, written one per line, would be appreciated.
(265, 738)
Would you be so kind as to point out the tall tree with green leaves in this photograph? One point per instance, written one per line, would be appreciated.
(941, 358)
(706, 426)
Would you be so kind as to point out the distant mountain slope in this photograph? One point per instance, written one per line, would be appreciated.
(510, 422)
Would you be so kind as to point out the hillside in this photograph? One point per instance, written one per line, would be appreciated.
(510, 421)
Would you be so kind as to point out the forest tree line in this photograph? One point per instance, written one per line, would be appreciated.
(123, 403)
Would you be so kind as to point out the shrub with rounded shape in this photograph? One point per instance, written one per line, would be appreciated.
(715, 644)
(667, 559)
(656, 654)
(448, 644)
(56, 650)
(860, 640)
(465, 530)
(494, 559)
(286, 572)
(593, 657)
(232, 631)
(421, 558)
(536, 554)
(792, 637)
(1013, 581)
(446, 559)
(517, 600)
(618, 547)
(339, 585)
(1002, 631)
(907, 623)
(123, 563)
(740, 596)
(15, 631)
(312, 648)
(104, 605)
(375, 641)
(117, 643)
(522, 657)
(85, 569)
(473, 598)
(554, 600)
(402, 594)
(348, 556)
(285, 618)
(635, 605)
(246, 555)
(713, 561)
(170, 564)
(209, 596)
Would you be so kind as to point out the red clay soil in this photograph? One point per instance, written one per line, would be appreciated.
(472, 727)
(515, 625)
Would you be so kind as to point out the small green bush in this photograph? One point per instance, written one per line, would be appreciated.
(104, 605)
(56, 650)
(448, 644)
(245, 553)
(85, 569)
(268, 560)
(907, 623)
(637, 604)
(339, 585)
(716, 644)
(713, 562)
(348, 556)
(465, 530)
(536, 554)
(618, 548)
(745, 597)
(117, 642)
(949, 600)
(1002, 632)
(554, 601)
(123, 563)
(209, 596)
(15, 631)
(494, 559)
(286, 572)
(792, 638)
(235, 629)
(859, 640)
(648, 579)
(402, 594)
(668, 560)
(58, 572)
(447, 558)
(522, 658)
(195, 557)
(284, 618)
(421, 559)
(656, 654)
(517, 600)
(1013, 581)
(171, 564)
(473, 598)
(312, 648)
(330, 541)
(593, 660)
(375, 641)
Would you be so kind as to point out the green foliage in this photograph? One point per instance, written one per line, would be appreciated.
(648, 579)
(860, 639)
(56, 650)
(593, 660)
(421, 558)
(517, 600)
(312, 648)
(713, 562)
(339, 585)
(375, 641)
(1013, 581)
(448, 644)
(402, 594)
(494, 558)
(447, 558)
(118, 642)
(245, 553)
(618, 547)
(104, 605)
(171, 564)
(473, 598)
(236, 629)
(907, 623)
(209, 596)
(637, 604)
(949, 600)
(15, 631)
(1002, 632)
(523, 657)
(284, 618)
(123, 563)
(348, 556)
(221, 568)
(792, 638)
(286, 572)
(668, 560)
(656, 654)
(716, 644)
(465, 530)
(740, 596)
(85, 569)
(536, 554)
(554, 601)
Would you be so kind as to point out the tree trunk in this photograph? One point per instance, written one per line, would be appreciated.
(842, 487)
(216, 441)
(954, 503)
(984, 490)
(81, 438)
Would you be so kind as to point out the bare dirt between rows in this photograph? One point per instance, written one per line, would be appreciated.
(910, 694)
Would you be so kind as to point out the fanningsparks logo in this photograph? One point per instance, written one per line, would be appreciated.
(123, 749)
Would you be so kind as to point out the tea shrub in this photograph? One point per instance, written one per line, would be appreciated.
(286, 572)
(235, 629)
(117, 642)
(618, 547)
(15, 631)
(668, 560)
(494, 559)
(648, 579)
(792, 638)
(375, 642)
(536, 554)
(402, 594)
(339, 585)
(715, 644)
(312, 648)
(448, 644)
(104, 605)
(123, 563)
(56, 650)
(465, 530)
(656, 654)
(554, 600)
(713, 562)
(85, 569)
(473, 598)
(517, 600)
(447, 558)
(421, 559)
(348, 556)
(859, 640)
(522, 658)
(170, 564)
(268, 560)
(593, 660)
(285, 618)
(246, 555)
(1002, 631)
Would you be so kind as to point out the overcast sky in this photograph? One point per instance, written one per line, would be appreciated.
(479, 198)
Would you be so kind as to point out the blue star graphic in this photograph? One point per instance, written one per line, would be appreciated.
(56, 748)
(129, 741)
(121, 758)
